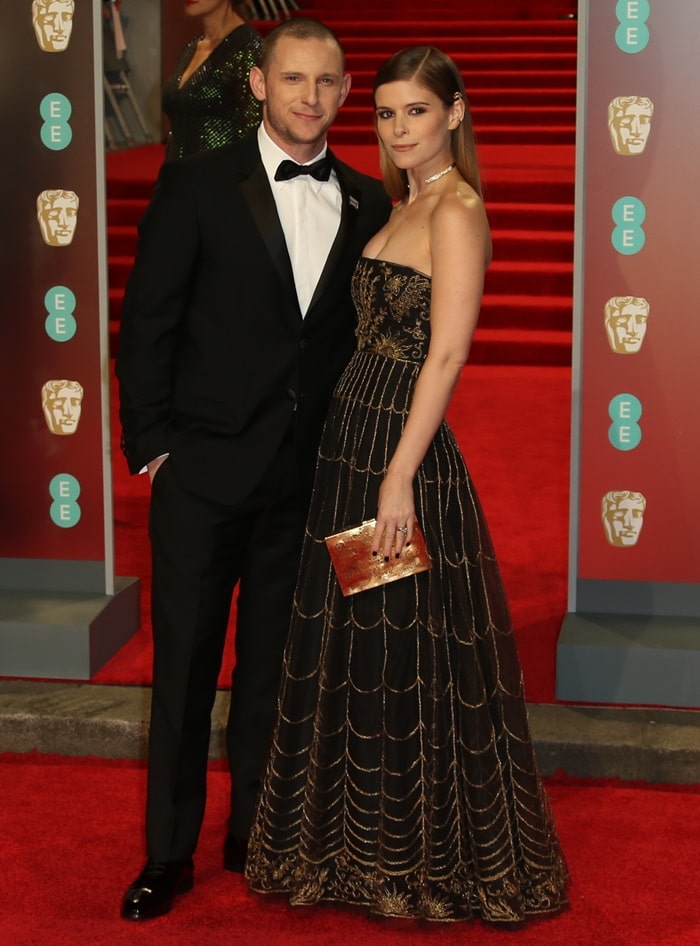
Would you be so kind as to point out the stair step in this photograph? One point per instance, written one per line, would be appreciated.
(474, 10)
(121, 240)
(507, 334)
(506, 311)
(115, 297)
(126, 211)
(480, 62)
(490, 80)
(361, 96)
(554, 31)
(520, 347)
(503, 135)
(527, 192)
(536, 247)
(534, 217)
(519, 277)
(119, 270)
(513, 332)
(532, 245)
(482, 116)
(503, 203)
(459, 40)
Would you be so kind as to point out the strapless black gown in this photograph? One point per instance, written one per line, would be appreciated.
(402, 774)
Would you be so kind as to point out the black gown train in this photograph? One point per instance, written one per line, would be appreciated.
(402, 774)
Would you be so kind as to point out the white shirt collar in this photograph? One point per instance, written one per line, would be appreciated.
(272, 155)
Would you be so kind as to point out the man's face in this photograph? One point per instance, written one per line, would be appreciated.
(53, 25)
(302, 91)
(632, 125)
(628, 326)
(59, 219)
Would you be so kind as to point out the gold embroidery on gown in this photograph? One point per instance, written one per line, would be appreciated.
(402, 775)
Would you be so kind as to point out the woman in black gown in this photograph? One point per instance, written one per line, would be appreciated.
(402, 775)
(208, 98)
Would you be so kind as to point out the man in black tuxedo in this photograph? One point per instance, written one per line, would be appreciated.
(236, 324)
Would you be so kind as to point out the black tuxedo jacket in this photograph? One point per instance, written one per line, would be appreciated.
(215, 361)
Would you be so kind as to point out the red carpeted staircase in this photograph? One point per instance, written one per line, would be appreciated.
(518, 59)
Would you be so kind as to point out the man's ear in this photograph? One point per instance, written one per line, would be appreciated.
(345, 87)
(257, 83)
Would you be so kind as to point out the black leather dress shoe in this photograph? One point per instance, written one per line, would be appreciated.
(235, 853)
(153, 891)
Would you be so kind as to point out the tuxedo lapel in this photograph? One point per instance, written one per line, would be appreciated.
(258, 196)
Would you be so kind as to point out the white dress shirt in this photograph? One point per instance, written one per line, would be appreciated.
(309, 211)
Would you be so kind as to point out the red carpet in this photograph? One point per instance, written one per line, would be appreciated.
(71, 842)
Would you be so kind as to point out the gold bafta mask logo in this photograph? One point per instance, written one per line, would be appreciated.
(53, 23)
(629, 123)
(623, 516)
(57, 213)
(62, 402)
(626, 323)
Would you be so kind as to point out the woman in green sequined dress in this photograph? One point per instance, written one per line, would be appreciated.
(402, 776)
(208, 98)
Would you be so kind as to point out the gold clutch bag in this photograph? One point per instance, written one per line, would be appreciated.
(357, 569)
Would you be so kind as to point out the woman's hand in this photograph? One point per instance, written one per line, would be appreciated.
(396, 516)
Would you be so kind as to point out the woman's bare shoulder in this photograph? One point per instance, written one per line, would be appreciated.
(459, 223)
(458, 201)
(458, 209)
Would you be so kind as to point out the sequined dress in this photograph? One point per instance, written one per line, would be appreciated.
(402, 775)
(215, 106)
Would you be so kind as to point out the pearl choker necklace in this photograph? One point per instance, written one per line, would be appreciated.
(436, 177)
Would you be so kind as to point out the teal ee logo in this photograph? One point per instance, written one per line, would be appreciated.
(64, 489)
(628, 236)
(625, 433)
(632, 34)
(56, 132)
(60, 305)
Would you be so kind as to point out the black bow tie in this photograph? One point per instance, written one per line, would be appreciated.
(320, 169)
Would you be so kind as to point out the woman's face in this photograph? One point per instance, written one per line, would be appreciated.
(414, 125)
